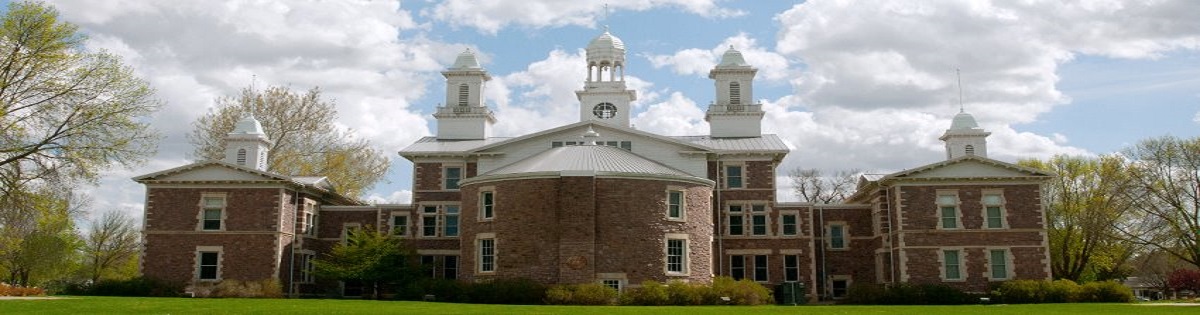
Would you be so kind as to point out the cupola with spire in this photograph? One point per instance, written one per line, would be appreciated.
(734, 114)
(965, 137)
(605, 97)
(464, 115)
(247, 145)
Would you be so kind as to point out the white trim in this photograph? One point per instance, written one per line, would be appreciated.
(224, 197)
(196, 264)
(958, 213)
(962, 264)
(796, 221)
(1008, 264)
(1003, 208)
(685, 262)
(407, 224)
(828, 236)
(682, 203)
(482, 217)
(479, 239)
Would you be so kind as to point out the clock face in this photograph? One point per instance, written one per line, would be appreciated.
(604, 110)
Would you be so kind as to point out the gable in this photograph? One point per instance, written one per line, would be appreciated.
(969, 168)
(207, 171)
(656, 148)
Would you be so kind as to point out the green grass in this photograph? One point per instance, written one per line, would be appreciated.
(118, 305)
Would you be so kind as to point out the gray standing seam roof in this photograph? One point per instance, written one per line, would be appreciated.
(596, 158)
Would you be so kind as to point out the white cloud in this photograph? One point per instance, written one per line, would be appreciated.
(403, 196)
(772, 66)
(676, 116)
(493, 15)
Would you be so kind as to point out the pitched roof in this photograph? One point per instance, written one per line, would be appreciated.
(587, 160)
(767, 143)
(320, 184)
(868, 180)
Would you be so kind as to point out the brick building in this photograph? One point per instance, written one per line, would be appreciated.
(599, 201)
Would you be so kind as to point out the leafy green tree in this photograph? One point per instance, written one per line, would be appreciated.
(65, 112)
(1086, 202)
(38, 241)
(306, 138)
(110, 245)
(1165, 173)
(370, 257)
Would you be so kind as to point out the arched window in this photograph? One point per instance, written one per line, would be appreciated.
(464, 92)
(241, 157)
(735, 93)
(970, 149)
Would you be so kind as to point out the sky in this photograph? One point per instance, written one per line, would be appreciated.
(866, 85)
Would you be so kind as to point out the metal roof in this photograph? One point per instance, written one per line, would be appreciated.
(590, 158)
(434, 145)
(767, 142)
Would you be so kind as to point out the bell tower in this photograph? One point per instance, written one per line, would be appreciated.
(465, 116)
(247, 145)
(965, 137)
(605, 97)
(734, 114)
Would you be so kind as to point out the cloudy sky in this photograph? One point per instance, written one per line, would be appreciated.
(849, 84)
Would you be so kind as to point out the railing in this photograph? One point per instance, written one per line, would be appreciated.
(735, 108)
(463, 110)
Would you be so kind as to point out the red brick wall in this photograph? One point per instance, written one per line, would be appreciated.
(178, 209)
(172, 257)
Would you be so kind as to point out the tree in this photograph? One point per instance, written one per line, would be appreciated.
(306, 139)
(111, 243)
(1184, 279)
(1165, 173)
(38, 241)
(811, 185)
(369, 257)
(65, 112)
(1086, 202)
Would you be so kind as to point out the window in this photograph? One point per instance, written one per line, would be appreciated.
(450, 267)
(970, 149)
(735, 93)
(349, 229)
(993, 207)
(487, 255)
(627, 145)
(212, 212)
(676, 255)
(439, 220)
(733, 176)
(758, 219)
(951, 265)
(791, 268)
(307, 267)
(427, 263)
(948, 210)
(837, 236)
(675, 204)
(998, 263)
(735, 220)
(208, 263)
(760, 268)
(788, 224)
(400, 225)
(241, 157)
(310, 223)
(464, 93)
(737, 267)
(838, 288)
(615, 284)
(487, 205)
(451, 175)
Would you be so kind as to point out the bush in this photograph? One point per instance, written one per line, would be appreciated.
(1059, 291)
(683, 293)
(907, 294)
(232, 288)
(1105, 292)
(443, 290)
(865, 293)
(10, 290)
(1021, 292)
(650, 293)
(506, 291)
(581, 294)
(137, 287)
(741, 292)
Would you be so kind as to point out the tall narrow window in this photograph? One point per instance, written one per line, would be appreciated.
(241, 157)
(400, 225)
(427, 263)
(760, 268)
(310, 223)
(735, 93)
(487, 255)
(735, 220)
(676, 256)
(440, 220)
(970, 149)
(213, 210)
(951, 265)
(210, 265)
(733, 176)
(464, 93)
(307, 267)
(758, 219)
(948, 210)
(486, 205)
(737, 267)
(450, 267)
(791, 268)
(675, 204)
(837, 236)
(998, 261)
(451, 228)
(429, 221)
(451, 176)
(993, 207)
(788, 224)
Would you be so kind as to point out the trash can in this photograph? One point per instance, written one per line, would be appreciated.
(790, 293)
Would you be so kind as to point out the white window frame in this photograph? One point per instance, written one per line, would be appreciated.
(740, 214)
(615, 284)
(684, 264)
(745, 215)
(741, 177)
(441, 222)
(404, 230)
(763, 274)
(462, 171)
(940, 212)
(199, 262)
(306, 266)
(1001, 204)
(794, 269)
(485, 207)
(310, 222)
(845, 235)
(204, 208)
(943, 264)
(480, 253)
(1006, 263)
(346, 228)
(681, 206)
(795, 214)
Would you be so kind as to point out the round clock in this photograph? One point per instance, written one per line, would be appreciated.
(604, 110)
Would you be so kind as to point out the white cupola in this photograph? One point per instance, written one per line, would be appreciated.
(465, 116)
(605, 97)
(964, 137)
(734, 114)
(247, 145)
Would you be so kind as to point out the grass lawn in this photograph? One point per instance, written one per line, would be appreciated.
(121, 305)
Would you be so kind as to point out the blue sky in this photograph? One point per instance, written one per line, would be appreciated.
(864, 84)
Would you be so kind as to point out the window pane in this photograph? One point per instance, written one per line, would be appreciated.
(737, 267)
(791, 268)
(217, 202)
(789, 224)
(674, 201)
(430, 209)
(999, 264)
(733, 176)
(487, 252)
(948, 200)
(760, 268)
(950, 257)
(451, 226)
(675, 253)
(994, 217)
(760, 224)
(991, 199)
(949, 217)
(212, 214)
(429, 226)
(451, 209)
(208, 258)
(735, 208)
(450, 267)
(453, 174)
(735, 225)
(837, 237)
